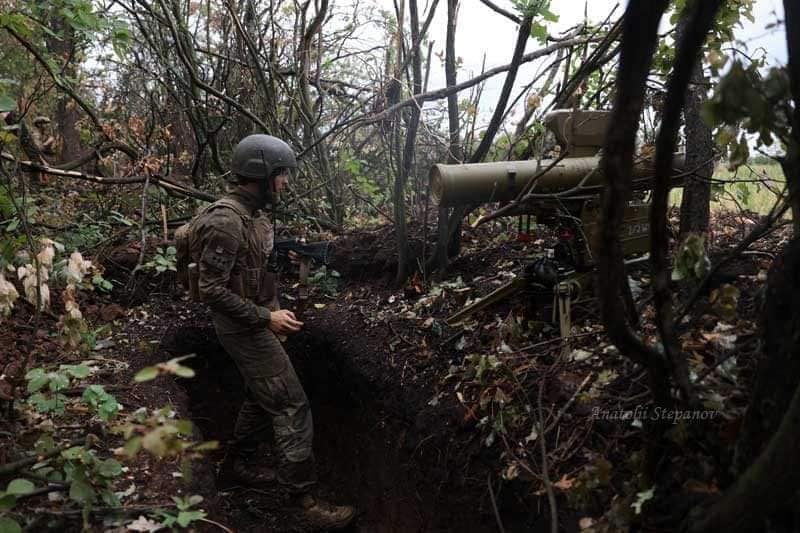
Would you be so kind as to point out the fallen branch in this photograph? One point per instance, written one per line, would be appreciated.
(14, 466)
(494, 504)
(170, 186)
(127, 509)
(213, 523)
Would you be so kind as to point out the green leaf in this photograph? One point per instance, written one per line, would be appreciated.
(58, 381)
(45, 404)
(8, 525)
(7, 502)
(74, 471)
(184, 371)
(109, 498)
(539, 32)
(72, 454)
(548, 15)
(109, 468)
(184, 427)
(187, 517)
(82, 492)
(77, 371)
(146, 374)
(18, 487)
(133, 446)
(206, 446)
(45, 444)
(17, 22)
(37, 379)
(7, 103)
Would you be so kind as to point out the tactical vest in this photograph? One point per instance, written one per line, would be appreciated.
(250, 277)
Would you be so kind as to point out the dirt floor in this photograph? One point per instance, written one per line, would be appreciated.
(421, 426)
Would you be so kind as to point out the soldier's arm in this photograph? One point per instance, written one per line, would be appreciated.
(220, 246)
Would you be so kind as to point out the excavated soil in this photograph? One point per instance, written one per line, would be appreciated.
(379, 446)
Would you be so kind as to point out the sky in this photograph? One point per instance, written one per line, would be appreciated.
(482, 32)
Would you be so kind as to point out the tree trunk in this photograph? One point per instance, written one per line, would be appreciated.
(455, 154)
(699, 151)
(401, 228)
(66, 112)
(453, 238)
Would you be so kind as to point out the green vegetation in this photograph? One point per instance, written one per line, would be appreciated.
(751, 187)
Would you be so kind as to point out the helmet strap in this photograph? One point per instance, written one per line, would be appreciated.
(265, 193)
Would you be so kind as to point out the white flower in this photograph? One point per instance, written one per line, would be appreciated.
(46, 255)
(27, 274)
(8, 295)
(76, 268)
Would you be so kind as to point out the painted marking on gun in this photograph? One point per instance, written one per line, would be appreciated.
(637, 228)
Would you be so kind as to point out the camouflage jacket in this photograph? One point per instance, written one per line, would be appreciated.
(231, 241)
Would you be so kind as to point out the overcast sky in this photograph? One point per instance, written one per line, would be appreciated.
(481, 31)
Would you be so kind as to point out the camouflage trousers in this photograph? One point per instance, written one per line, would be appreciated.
(273, 394)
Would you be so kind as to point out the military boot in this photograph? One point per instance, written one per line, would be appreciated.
(252, 473)
(321, 515)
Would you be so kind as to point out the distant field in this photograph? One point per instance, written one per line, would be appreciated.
(743, 190)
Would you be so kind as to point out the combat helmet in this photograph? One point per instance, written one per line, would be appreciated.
(258, 156)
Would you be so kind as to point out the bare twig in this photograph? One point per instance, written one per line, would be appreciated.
(523, 193)
(369, 203)
(213, 523)
(548, 485)
(494, 504)
(568, 404)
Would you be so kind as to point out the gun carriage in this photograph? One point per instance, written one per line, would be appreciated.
(562, 194)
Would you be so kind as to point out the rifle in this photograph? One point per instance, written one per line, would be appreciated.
(321, 252)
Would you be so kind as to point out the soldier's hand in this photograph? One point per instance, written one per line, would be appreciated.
(293, 257)
(283, 321)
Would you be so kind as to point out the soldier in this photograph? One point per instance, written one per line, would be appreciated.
(231, 241)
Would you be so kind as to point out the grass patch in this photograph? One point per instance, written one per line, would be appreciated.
(752, 187)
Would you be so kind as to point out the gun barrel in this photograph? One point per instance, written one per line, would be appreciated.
(453, 185)
(319, 251)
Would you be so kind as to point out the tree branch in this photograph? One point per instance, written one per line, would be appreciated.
(701, 17)
(498, 9)
(170, 186)
(639, 38)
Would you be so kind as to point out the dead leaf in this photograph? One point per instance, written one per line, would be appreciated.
(579, 355)
(111, 312)
(564, 483)
(144, 524)
(693, 485)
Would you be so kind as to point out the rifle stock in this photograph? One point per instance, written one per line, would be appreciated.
(321, 251)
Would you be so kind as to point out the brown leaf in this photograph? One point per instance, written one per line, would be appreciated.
(564, 483)
(6, 390)
(111, 312)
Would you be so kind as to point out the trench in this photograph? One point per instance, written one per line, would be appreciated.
(368, 445)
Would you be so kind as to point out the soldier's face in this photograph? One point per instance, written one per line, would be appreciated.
(281, 181)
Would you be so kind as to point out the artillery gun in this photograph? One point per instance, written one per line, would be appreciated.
(563, 194)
